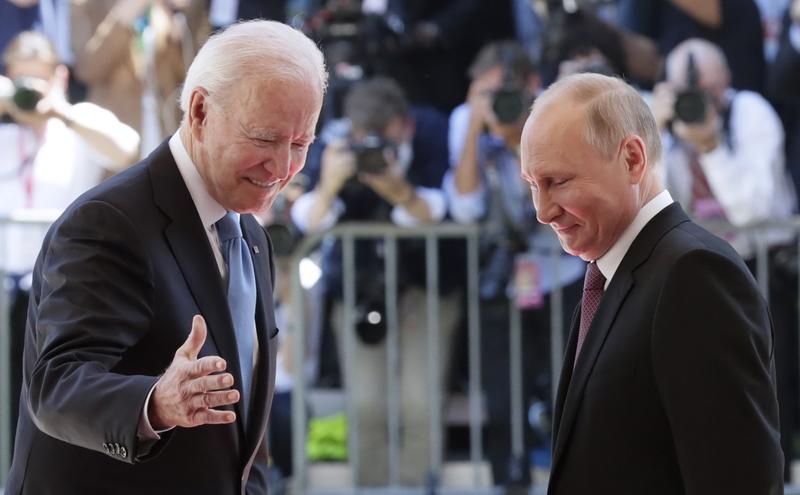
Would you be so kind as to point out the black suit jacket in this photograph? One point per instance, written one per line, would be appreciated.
(119, 277)
(674, 389)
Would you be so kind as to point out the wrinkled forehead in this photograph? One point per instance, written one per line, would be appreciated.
(553, 121)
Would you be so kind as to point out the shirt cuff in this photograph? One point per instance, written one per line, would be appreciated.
(145, 431)
(436, 205)
(464, 208)
(301, 211)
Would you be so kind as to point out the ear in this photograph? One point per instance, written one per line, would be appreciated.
(633, 153)
(198, 113)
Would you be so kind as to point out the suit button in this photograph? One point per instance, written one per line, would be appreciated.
(105, 447)
(116, 448)
(123, 452)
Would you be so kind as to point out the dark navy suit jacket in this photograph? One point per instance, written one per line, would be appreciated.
(120, 276)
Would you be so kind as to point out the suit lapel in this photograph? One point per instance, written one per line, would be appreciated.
(265, 325)
(190, 247)
(566, 372)
(573, 382)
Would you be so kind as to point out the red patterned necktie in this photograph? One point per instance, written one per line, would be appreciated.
(593, 286)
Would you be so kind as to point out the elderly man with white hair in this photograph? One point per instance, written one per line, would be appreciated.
(150, 347)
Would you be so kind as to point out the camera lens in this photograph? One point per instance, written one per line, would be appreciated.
(508, 105)
(690, 106)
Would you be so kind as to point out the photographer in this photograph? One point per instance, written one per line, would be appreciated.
(724, 160)
(52, 152)
(133, 54)
(484, 185)
(385, 162)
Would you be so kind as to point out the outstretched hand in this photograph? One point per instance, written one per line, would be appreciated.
(188, 391)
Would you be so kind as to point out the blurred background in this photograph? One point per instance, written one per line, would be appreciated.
(422, 309)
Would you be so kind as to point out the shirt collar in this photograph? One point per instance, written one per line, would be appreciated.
(208, 208)
(609, 262)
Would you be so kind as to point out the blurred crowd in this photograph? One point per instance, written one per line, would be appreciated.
(422, 125)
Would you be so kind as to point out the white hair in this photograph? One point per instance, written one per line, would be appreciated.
(266, 49)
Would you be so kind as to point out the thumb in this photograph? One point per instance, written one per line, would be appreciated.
(195, 340)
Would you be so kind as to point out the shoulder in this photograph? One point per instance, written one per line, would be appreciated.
(691, 259)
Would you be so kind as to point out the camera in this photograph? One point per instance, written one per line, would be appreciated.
(509, 103)
(511, 100)
(690, 104)
(371, 152)
(22, 92)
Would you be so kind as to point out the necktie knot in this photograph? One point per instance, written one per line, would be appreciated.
(228, 227)
(594, 281)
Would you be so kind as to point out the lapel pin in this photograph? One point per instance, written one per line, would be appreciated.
(255, 249)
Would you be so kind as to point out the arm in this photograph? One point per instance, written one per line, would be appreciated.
(747, 177)
(94, 260)
(100, 45)
(319, 208)
(101, 130)
(716, 377)
(96, 302)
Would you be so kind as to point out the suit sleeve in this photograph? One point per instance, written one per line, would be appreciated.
(714, 369)
(95, 304)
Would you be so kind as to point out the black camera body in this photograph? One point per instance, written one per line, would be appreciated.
(511, 100)
(370, 153)
(26, 96)
(22, 93)
(690, 104)
(509, 103)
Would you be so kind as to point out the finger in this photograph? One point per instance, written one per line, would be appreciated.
(214, 399)
(195, 340)
(209, 383)
(212, 417)
(205, 366)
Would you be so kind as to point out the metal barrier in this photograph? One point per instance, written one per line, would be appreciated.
(349, 233)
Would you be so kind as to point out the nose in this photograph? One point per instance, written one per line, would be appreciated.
(282, 161)
(547, 209)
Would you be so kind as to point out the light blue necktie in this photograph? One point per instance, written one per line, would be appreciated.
(241, 297)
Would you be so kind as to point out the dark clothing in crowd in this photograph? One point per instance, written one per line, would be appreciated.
(739, 35)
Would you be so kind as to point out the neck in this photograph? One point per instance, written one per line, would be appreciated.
(649, 188)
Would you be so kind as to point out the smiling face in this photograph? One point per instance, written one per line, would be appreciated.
(586, 198)
(249, 145)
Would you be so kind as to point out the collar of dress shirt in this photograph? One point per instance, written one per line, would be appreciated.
(208, 208)
(609, 262)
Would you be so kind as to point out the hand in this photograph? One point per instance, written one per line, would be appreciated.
(704, 137)
(663, 104)
(390, 184)
(479, 99)
(338, 164)
(52, 104)
(187, 393)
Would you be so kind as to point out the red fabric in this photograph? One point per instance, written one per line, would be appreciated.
(593, 286)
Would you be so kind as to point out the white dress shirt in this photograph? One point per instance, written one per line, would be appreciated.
(609, 262)
(210, 212)
(749, 178)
